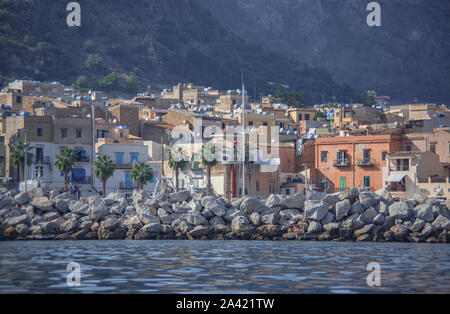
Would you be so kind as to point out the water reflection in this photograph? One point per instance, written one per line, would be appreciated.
(223, 267)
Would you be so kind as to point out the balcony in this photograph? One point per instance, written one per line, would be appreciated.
(365, 162)
(83, 180)
(40, 160)
(81, 158)
(396, 187)
(127, 186)
(341, 163)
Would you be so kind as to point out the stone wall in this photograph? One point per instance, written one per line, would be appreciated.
(346, 216)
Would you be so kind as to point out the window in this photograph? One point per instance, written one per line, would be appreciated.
(119, 158)
(367, 182)
(343, 184)
(78, 133)
(265, 124)
(341, 155)
(433, 148)
(134, 158)
(383, 155)
(307, 117)
(19, 99)
(300, 116)
(323, 156)
(257, 186)
(288, 191)
(39, 131)
(408, 148)
(366, 154)
(63, 133)
(250, 123)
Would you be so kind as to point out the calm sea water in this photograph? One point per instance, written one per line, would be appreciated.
(223, 267)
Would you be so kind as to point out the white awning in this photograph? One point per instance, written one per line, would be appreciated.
(395, 177)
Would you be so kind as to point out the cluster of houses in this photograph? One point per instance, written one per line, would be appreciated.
(330, 147)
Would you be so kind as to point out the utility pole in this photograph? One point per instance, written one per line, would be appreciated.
(26, 166)
(93, 144)
(243, 135)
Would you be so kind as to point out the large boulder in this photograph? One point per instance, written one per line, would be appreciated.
(22, 219)
(199, 232)
(22, 198)
(313, 195)
(146, 218)
(417, 226)
(274, 200)
(255, 219)
(214, 205)
(180, 197)
(332, 199)
(378, 219)
(442, 222)
(78, 207)
(399, 210)
(69, 225)
(270, 219)
(196, 219)
(240, 223)
(351, 194)
(252, 204)
(269, 231)
(42, 204)
(357, 208)
(314, 227)
(315, 210)
(364, 230)
(368, 199)
(295, 201)
(420, 198)
(342, 209)
(62, 205)
(424, 212)
(369, 214)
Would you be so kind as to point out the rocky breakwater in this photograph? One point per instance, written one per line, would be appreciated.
(346, 216)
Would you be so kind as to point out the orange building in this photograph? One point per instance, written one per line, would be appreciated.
(349, 161)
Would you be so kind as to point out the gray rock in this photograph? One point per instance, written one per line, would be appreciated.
(383, 208)
(110, 223)
(147, 219)
(216, 220)
(313, 195)
(388, 222)
(51, 216)
(314, 227)
(207, 213)
(332, 227)
(424, 212)
(180, 197)
(295, 201)
(351, 194)
(77, 207)
(178, 209)
(428, 230)
(368, 199)
(342, 209)
(329, 217)
(364, 230)
(333, 199)
(22, 229)
(166, 229)
(98, 213)
(42, 203)
(6, 202)
(369, 214)
(214, 205)
(442, 222)
(270, 219)
(274, 200)
(288, 214)
(420, 198)
(23, 219)
(255, 219)
(315, 210)
(378, 219)
(62, 205)
(69, 225)
(22, 198)
(231, 213)
(196, 219)
(130, 211)
(199, 231)
(251, 204)
(151, 228)
(417, 226)
(357, 208)
(195, 205)
(117, 210)
(239, 223)
(134, 223)
(399, 210)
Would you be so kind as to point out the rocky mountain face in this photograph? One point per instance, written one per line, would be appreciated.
(406, 58)
(160, 41)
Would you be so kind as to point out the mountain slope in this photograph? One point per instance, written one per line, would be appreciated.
(162, 41)
(407, 57)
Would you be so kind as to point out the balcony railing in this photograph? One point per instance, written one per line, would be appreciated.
(41, 160)
(84, 180)
(82, 159)
(128, 186)
(341, 163)
(364, 162)
(396, 188)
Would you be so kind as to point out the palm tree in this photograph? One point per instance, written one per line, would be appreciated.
(17, 156)
(209, 159)
(141, 173)
(177, 162)
(64, 162)
(104, 169)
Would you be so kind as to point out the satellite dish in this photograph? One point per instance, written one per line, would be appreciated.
(88, 116)
(115, 121)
